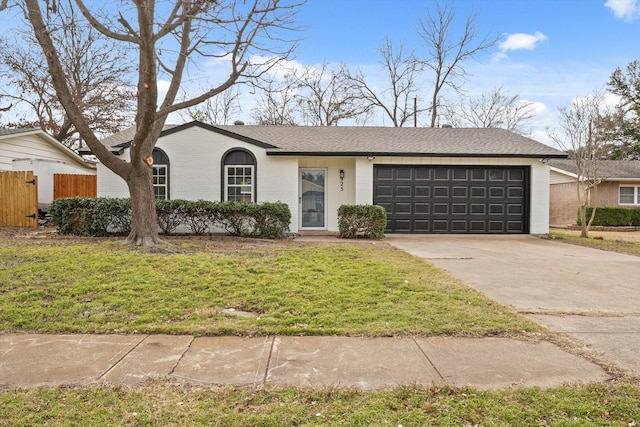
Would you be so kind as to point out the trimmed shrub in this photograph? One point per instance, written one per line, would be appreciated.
(362, 221)
(88, 216)
(103, 216)
(200, 216)
(271, 220)
(265, 220)
(170, 214)
(613, 216)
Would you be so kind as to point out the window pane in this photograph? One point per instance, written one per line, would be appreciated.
(239, 183)
(160, 181)
(627, 195)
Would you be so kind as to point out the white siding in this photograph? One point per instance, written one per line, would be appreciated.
(30, 146)
(560, 178)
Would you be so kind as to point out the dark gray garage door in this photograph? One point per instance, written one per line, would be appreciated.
(453, 199)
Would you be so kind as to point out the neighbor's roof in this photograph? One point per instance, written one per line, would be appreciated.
(376, 141)
(4, 132)
(9, 133)
(610, 170)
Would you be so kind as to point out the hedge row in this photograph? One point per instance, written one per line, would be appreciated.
(362, 221)
(103, 216)
(613, 216)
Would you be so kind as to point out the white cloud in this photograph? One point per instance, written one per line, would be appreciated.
(521, 41)
(624, 9)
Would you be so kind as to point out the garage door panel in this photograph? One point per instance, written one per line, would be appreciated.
(383, 173)
(477, 226)
(402, 208)
(422, 191)
(453, 199)
(421, 226)
(422, 208)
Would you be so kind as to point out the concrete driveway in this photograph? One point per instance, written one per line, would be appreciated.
(590, 295)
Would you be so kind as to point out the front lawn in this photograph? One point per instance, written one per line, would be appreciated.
(282, 287)
(624, 243)
(179, 405)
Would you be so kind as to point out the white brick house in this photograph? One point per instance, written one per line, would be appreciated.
(430, 180)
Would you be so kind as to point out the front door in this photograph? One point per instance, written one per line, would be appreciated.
(313, 199)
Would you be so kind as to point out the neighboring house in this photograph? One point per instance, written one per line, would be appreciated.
(620, 186)
(35, 150)
(430, 180)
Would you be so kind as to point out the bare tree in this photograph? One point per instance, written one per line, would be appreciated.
(167, 38)
(448, 52)
(325, 97)
(310, 96)
(398, 100)
(219, 110)
(578, 133)
(494, 109)
(276, 104)
(96, 71)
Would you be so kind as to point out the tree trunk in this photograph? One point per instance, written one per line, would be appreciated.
(144, 225)
(584, 227)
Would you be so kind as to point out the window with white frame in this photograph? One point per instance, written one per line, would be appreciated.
(239, 185)
(629, 195)
(160, 174)
(160, 182)
(239, 175)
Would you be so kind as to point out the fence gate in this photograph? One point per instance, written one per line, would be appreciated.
(18, 199)
(73, 185)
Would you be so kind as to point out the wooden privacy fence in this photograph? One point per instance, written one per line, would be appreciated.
(18, 199)
(68, 185)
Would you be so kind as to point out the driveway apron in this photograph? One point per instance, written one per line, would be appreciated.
(591, 295)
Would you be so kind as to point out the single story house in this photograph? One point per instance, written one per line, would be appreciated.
(429, 180)
(37, 151)
(620, 186)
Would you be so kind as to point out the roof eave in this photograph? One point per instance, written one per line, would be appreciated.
(410, 154)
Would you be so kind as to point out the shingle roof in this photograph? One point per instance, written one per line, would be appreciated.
(608, 169)
(126, 136)
(394, 141)
(377, 141)
(4, 132)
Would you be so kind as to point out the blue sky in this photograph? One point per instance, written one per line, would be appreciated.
(550, 51)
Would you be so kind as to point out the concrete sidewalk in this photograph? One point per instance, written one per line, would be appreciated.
(31, 360)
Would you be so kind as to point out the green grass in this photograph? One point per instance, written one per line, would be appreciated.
(337, 289)
(176, 405)
(87, 285)
(605, 244)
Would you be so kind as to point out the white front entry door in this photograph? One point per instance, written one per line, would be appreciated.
(313, 199)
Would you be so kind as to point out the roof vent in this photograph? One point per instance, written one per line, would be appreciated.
(448, 126)
(238, 123)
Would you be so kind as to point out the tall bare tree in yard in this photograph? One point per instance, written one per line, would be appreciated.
(448, 51)
(397, 100)
(246, 35)
(494, 109)
(578, 132)
(96, 72)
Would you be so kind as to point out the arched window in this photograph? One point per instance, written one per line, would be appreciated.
(160, 174)
(238, 176)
